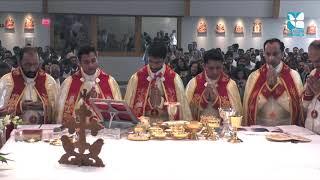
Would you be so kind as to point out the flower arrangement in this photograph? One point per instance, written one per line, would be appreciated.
(16, 120)
(8, 119)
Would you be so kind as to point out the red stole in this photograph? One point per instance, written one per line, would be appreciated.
(222, 100)
(75, 87)
(140, 99)
(261, 86)
(18, 88)
(14, 103)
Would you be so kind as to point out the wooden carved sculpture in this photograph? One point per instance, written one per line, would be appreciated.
(75, 151)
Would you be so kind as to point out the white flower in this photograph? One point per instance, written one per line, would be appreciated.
(6, 120)
(16, 118)
(1, 125)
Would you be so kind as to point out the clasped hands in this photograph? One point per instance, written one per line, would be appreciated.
(210, 92)
(312, 86)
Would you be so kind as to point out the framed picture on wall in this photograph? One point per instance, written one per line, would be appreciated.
(202, 27)
(29, 23)
(238, 29)
(220, 29)
(257, 28)
(9, 23)
(312, 29)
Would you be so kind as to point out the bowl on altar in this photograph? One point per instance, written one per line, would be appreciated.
(194, 126)
(159, 135)
(154, 129)
(182, 135)
(138, 129)
(212, 120)
(32, 135)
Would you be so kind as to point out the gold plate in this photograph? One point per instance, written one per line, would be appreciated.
(160, 135)
(181, 135)
(194, 125)
(135, 137)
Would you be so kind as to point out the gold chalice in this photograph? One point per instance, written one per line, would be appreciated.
(194, 127)
(178, 132)
(157, 133)
(235, 124)
(211, 125)
(139, 130)
(139, 134)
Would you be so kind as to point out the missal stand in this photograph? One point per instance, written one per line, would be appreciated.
(115, 114)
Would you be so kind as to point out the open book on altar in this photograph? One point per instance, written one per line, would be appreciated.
(292, 129)
(114, 114)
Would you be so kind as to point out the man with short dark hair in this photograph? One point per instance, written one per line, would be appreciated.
(241, 52)
(28, 91)
(73, 60)
(153, 85)
(212, 89)
(91, 78)
(295, 51)
(7, 54)
(272, 94)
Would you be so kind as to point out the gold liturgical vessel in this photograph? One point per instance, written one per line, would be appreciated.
(235, 124)
(210, 123)
(194, 127)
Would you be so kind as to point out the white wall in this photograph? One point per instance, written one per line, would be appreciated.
(118, 7)
(309, 7)
(41, 33)
(270, 28)
(231, 8)
(21, 6)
